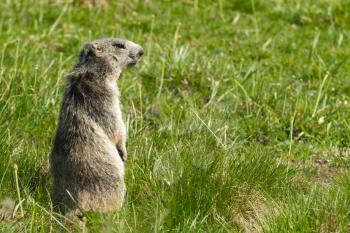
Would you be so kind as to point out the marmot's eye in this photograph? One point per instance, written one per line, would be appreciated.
(119, 45)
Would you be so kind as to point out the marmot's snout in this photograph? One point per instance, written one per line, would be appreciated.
(140, 53)
(135, 54)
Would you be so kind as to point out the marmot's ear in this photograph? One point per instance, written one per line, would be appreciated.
(89, 50)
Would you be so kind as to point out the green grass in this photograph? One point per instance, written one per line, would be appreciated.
(238, 115)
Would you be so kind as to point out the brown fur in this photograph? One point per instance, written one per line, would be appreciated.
(87, 159)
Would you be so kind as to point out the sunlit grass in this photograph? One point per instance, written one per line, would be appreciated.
(238, 115)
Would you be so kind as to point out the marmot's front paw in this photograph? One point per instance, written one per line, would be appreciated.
(122, 152)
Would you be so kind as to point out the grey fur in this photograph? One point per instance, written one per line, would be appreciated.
(87, 158)
(7, 207)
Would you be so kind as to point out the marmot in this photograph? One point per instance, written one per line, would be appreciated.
(88, 154)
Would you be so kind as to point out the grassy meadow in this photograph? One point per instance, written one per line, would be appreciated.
(238, 115)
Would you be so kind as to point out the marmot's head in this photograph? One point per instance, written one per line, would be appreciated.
(115, 54)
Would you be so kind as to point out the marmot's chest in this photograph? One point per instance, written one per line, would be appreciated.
(116, 105)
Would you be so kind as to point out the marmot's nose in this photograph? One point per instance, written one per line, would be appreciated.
(140, 53)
